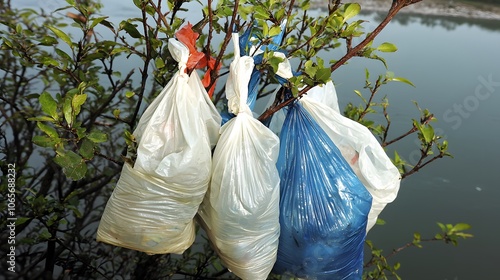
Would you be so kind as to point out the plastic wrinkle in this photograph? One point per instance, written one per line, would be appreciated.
(358, 146)
(240, 212)
(247, 45)
(323, 205)
(153, 204)
(356, 143)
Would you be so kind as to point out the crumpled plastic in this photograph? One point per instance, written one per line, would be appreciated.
(154, 202)
(323, 205)
(241, 208)
(358, 146)
(253, 47)
(356, 143)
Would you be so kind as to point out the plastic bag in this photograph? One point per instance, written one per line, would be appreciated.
(358, 146)
(323, 205)
(356, 143)
(241, 208)
(250, 45)
(153, 205)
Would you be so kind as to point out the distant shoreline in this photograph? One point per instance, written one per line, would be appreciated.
(451, 8)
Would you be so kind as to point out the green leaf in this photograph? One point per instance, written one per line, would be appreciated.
(130, 29)
(265, 29)
(442, 227)
(305, 5)
(41, 119)
(97, 136)
(49, 130)
(19, 28)
(323, 75)
(22, 220)
(351, 10)
(48, 41)
(44, 141)
(73, 165)
(48, 104)
(159, 63)
(310, 69)
(87, 149)
(96, 21)
(63, 36)
(49, 61)
(428, 133)
(7, 43)
(129, 94)
(402, 80)
(44, 235)
(116, 113)
(461, 227)
(77, 102)
(138, 4)
(65, 57)
(275, 30)
(387, 47)
(68, 111)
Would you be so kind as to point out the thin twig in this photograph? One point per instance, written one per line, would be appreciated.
(395, 8)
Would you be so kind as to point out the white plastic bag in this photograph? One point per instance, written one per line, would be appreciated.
(154, 203)
(240, 212)
(358, 146)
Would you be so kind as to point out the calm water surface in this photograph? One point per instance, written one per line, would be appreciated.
(455, 65)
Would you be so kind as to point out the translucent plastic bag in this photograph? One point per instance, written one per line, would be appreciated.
(358, 146)
(241, 208)
(154, 203)
(323, 205)
(356, 143)
(251, 45)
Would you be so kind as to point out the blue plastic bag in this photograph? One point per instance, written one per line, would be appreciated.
(323, 205)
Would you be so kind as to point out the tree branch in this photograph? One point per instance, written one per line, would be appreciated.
(395, 8)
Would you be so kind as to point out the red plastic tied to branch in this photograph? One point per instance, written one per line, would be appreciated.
(197, 59)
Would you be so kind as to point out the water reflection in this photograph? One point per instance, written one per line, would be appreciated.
(447, 22)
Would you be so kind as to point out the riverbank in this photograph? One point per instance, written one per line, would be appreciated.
(451, 8)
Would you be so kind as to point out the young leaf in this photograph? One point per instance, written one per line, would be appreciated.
(116, 113)
(402, 80)
(461, 227)
(275, 30)
(323, 75)
(77, 102)
(387, 47)
(428, 133)
(351, 10)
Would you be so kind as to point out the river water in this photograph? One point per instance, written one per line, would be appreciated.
(455, 65)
